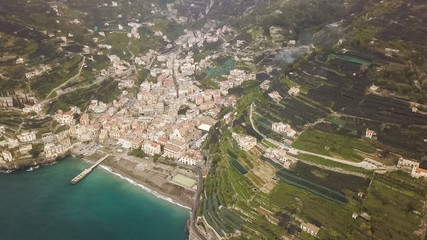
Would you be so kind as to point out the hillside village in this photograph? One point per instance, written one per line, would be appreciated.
(241, 108)
(167, 117)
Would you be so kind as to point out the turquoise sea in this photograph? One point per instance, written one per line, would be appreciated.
(42, 204)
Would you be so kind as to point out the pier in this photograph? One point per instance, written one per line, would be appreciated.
(86, 172)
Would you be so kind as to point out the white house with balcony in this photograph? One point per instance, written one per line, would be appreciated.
(27, 136)
(151, 148)
(7, 155)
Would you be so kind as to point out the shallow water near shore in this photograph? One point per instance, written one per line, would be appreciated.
(42, 204)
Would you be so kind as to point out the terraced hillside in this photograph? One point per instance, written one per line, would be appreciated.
(331, 71)
(353, 81)
(366, 72)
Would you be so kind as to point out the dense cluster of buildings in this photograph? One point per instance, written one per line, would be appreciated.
(52, 145)
(235, 79)
(165, 118)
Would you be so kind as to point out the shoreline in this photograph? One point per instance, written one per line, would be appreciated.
(36, 163)
(152, 181)
(127, 174)
(147, 180)
(142, 186)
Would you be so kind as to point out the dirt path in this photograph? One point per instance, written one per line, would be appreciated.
(66, 82)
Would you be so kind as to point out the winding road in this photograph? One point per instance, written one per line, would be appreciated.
(363, 164)
(193, 229)
(69, 80)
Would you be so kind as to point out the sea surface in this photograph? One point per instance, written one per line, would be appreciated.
(42, 204)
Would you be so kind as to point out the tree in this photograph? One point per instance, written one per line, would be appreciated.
(37, 149)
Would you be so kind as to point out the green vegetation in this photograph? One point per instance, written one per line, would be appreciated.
(221, 218)
(62, 128)
(11, 45)
(332, 145)
(268, 144)
(139, 153)
(335, 218)
(168, 161)
(234, 191)
(142, 76)
(44, 84)
(351, 185)
(11, 119)
(239, 167)
(119, 42)
(209, 82)
(169, 28)
(289, 83)
(221, 70)
(331, 82)
(36, 150)
(289, 178)
(394, 203)
(156, 157)
(145, 43)
(351, 59)
(107, 91)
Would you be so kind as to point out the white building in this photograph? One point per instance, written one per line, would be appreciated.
(245, 142)
(53, 151)
(7, 156)
(275, 96)
(24, 149)
(35, 108)
(145, 86)
(103, 134)
(177, 135)
(64, 118)
(193, 158)
(125, 142)
(12, 143)
(407, 164)
(175, 149)
(151, 148)
(97, 106)
(293, 91)
(27, 136)
(418, 172)
(310, 228)
(281, 128)
(369, 133)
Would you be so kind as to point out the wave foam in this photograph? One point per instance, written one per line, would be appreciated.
(156, 194)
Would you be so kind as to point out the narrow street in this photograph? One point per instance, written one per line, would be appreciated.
(193, 218)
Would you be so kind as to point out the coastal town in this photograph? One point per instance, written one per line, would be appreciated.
(169, 117)
(154, 134)
(250, 129)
